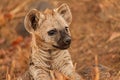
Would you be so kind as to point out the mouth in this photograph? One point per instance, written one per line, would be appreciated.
(62, 47)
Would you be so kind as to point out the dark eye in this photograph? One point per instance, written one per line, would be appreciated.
(52, 32)
(66, 28)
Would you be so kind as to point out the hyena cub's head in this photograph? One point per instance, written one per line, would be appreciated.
(51, 27)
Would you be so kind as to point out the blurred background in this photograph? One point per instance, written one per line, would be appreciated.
(95, 33)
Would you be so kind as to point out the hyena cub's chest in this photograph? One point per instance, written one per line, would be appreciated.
(52, 61)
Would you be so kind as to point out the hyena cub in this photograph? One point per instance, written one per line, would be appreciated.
(50, 40)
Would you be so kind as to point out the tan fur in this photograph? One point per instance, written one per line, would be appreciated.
(45, 57)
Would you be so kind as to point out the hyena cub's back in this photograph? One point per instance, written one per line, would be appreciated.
(50, 40)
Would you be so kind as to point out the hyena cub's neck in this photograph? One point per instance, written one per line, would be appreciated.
(48, 59)
(43, 56)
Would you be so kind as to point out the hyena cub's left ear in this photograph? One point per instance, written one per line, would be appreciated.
(65, 12)
(32, 19)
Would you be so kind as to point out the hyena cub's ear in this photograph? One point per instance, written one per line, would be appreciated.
(65, 12)
(32, 19)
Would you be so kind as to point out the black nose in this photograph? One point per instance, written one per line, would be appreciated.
(67, 40)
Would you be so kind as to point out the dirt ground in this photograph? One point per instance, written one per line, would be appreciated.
(95, 32)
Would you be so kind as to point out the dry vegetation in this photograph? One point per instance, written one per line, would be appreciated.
(95, 30)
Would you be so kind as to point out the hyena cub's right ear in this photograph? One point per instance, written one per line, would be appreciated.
(32, 20)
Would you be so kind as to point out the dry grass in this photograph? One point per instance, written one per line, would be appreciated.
(95, 31)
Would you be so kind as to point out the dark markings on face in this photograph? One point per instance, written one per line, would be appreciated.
(52, 32)
(64, 40)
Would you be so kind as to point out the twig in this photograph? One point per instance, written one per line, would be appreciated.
(8, 77)
(52, 75)
(96, 68)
